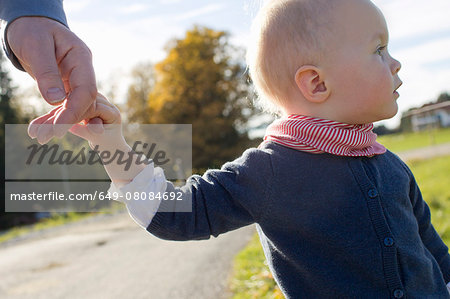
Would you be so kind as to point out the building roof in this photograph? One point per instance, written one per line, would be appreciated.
(443, 105)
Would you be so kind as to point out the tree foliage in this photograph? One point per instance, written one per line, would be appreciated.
(8, 115)
(201, 82)
(443, 97)
(143, 80)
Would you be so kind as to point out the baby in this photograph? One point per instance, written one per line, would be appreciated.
(338, 215)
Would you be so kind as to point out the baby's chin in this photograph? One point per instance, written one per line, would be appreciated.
(394, 109)
(382, 115)
(389, 113)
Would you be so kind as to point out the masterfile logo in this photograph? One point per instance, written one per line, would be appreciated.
(68, 174)
(38, 153)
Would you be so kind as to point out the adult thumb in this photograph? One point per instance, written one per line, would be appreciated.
(50, 85)
(42, 63)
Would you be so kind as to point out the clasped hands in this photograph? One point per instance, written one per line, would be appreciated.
(61, 64)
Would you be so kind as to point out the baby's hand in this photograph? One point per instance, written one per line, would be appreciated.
(101, 125)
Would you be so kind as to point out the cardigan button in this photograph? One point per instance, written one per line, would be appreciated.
(372, 193)
(388, 242)
(398, 293)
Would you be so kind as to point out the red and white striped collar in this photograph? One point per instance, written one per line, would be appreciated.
(315, 135)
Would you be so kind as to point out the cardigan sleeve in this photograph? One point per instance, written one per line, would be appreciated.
(13, 9)
(428, 234)
(222, 200)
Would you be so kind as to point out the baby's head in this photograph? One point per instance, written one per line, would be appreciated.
(324, 58)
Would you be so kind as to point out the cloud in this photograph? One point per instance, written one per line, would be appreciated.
(408, 18)
(199, 11)
(133, 8)
(435, 50)
(165, 2)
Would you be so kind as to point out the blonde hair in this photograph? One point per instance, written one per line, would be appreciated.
(285, 35)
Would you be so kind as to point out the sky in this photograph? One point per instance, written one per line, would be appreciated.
(122, 34)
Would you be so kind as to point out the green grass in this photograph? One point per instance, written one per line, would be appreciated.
(251, 275)
(408, 141)
(433, 178)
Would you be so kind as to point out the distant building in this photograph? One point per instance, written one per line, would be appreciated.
(428, 117)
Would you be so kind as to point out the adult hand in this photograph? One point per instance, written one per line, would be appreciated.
(62, 66)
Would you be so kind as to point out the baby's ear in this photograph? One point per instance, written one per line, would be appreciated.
(310, 81)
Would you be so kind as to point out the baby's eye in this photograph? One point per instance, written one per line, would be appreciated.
(380, 50)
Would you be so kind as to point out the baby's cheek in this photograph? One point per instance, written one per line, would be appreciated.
(381, 82)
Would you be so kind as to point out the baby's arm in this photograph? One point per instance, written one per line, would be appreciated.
(104, 133)
(103, 130)
(221, 200)
(237, 195)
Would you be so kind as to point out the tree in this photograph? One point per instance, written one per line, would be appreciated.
(443, 97)
(143, 80)
(381, 130)
(8, 115)
(201, 82)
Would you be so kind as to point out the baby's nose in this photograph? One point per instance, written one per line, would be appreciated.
(395, 66)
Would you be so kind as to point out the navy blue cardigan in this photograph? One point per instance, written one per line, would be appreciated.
(330, 227)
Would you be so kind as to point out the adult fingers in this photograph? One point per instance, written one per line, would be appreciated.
(45, 131)
(81, 131)
(35, 123)
(78, 102)
(76, 67)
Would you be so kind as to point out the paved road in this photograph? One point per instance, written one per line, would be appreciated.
(111, 257)
(426, 152)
